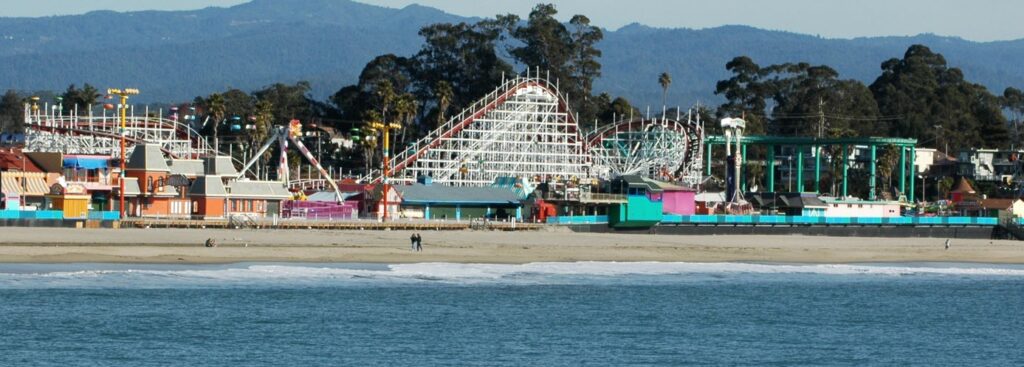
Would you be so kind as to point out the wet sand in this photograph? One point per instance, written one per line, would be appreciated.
(60, 245)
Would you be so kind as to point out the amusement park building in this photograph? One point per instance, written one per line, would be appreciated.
(200, 189)
(449, 202)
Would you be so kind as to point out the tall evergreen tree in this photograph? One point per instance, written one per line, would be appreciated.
(745, 94)
(922, 93)
(12, 119)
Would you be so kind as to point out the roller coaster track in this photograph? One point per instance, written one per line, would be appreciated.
(101, 135)
(522, 128)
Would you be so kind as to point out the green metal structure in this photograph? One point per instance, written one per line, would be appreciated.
(812, 146)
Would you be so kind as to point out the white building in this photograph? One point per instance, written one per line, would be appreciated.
(860, 208)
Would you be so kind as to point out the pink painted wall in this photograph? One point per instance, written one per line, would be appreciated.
(679, 202)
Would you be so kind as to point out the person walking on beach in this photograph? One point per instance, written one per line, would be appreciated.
(947, 243)
(419, 242)
(412, 241)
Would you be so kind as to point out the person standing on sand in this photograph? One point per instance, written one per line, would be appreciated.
(419, 242)
(947, 243)
(412, 241)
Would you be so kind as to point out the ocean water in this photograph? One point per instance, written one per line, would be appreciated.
(542, 314)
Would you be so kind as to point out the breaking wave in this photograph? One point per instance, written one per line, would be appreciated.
(169, 276)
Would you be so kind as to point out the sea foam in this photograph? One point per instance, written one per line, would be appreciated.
(170, 276)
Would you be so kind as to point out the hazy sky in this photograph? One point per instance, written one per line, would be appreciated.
(979, 20)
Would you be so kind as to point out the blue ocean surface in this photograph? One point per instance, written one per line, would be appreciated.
(540, 314)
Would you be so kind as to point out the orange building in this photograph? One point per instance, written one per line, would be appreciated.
(208, 197)
(202, 189)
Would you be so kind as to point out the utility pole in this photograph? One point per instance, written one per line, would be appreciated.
(821, 118)
(385, 129)
(123, 93)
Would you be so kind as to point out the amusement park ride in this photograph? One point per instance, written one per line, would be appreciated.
(736, 204)
(524, 128)
(282, 135)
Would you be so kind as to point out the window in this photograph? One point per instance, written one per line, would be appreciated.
(149, 183)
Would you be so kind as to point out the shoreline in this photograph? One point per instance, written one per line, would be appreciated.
(185, 246)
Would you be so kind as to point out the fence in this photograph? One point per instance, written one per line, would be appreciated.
(318, 210)
(54, 215)
(807, 220)
(578, 219)
(794, 220)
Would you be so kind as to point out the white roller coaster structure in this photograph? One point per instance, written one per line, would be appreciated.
(524, 128)
(47, 130)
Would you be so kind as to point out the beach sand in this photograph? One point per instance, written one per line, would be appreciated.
(62, 245)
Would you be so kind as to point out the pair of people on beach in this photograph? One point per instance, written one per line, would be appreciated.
(416, 242)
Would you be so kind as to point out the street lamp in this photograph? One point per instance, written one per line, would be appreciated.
(123, 93)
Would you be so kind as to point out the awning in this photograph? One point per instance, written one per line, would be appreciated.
(31, 184)
(10, 185)
(86, 162)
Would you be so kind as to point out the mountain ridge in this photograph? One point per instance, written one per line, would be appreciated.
(176, 55)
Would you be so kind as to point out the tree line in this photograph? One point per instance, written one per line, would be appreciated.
(916, 96)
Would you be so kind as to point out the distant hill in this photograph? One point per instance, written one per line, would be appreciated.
(176, 55)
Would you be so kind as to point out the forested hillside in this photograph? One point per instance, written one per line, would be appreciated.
(176, 55)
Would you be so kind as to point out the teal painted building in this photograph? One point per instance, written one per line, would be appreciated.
(430, 201)
(643, 206)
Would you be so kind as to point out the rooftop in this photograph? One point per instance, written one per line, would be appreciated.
(16, 160)
(147, 157)
(257, 189)
(441, 194)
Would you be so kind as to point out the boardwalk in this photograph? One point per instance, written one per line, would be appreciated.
(338, 225)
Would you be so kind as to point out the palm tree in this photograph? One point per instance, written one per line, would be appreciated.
(887, 163)
(405, 109)
(385, 93)
(216, 108)
(369, 138)
(444, 100)
(665, 80)
(264, 117)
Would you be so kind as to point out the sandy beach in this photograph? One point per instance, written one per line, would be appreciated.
(60, 245)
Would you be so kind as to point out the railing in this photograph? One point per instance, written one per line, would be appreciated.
(588, 196)
(104, 216)
(31, 214)
(578, 219)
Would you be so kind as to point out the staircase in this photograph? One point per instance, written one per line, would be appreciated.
(242, 221)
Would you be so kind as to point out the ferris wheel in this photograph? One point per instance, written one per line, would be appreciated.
(664, 149)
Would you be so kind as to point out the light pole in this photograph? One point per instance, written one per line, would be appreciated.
(385, 129)
(789, 160)
(123, 93)
(924, 183)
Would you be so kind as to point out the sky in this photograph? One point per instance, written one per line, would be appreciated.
(976, 20)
